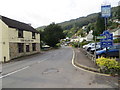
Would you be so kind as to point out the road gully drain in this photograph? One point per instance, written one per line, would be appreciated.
(51, 70)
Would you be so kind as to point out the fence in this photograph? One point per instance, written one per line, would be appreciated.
(88, 54)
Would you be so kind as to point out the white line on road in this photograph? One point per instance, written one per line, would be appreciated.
(43, 60)
(20, 69)
(14, 72)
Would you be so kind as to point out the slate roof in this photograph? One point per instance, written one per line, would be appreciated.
(114, 30)
(18, 25)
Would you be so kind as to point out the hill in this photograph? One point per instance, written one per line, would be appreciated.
(79, 22)
(74, 25)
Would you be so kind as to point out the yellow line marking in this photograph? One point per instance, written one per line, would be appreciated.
(73, 60)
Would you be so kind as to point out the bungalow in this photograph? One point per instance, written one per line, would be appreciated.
(17, 39)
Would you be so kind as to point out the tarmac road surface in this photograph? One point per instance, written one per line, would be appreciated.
(52, 69)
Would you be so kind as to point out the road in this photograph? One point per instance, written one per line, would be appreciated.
(52, 69)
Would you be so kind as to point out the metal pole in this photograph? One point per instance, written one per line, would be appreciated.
(119, 53)
(105, 23)
(106, 29)
(95, 50)
(119, 48)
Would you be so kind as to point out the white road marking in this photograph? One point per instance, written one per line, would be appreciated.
(43, 60)
(116, 84)
(14, 72)
(84, 69)
(20, 69)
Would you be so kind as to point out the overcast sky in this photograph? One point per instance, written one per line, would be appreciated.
(44, 12)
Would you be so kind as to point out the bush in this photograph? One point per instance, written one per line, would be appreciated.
(117, 40)
(84, 42)
(58, 45)
(109, 66)
(75, 44)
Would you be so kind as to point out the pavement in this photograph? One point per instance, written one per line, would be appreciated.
(84, 62)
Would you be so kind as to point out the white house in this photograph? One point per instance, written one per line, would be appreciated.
(115, 32)
(89, 37)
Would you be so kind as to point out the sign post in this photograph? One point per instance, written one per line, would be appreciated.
(100, 37)
(106, 13)
(108, 41)
(95, 49)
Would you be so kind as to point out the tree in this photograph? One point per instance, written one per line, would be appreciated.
(99, 27)
(52, 34)
(118, 13)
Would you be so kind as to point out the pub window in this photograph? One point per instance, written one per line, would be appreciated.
(27, 48)
(33, 35)
(20, 47)
(20, 33)
(34, 46)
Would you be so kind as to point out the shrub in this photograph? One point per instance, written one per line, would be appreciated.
(109, 66)
(58, 45)
(117, 40)
(75, 44)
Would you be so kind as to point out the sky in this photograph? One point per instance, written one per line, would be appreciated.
(43, 12)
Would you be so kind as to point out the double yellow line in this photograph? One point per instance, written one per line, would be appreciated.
(84, 68)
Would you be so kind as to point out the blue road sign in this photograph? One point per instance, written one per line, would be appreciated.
(108, 41)
(106, 11)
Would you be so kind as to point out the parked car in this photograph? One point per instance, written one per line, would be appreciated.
(110, 52)
(88, 48)
(89, 45)
(92, 50)
(86, 45)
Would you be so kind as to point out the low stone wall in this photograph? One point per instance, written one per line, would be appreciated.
(13, 50)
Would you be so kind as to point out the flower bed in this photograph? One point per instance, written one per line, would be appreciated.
(108, 66)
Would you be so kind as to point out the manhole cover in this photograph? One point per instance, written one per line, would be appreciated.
(51, 70)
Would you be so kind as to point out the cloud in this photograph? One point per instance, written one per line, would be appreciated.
(44, 12)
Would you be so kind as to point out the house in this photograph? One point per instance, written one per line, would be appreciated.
(115, 32)
(116, 21)
(89, 37)
(74, 39)
(82, 39)
(84, 27)
(17, 39)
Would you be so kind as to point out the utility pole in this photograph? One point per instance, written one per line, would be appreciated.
(95, 50)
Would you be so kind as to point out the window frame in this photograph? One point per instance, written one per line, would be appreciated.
(20, 47)
(33, 35)
(27, 48)
(20, 34)
(34, 47)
